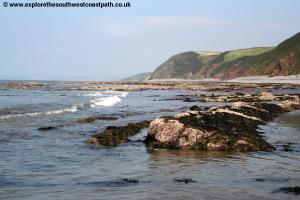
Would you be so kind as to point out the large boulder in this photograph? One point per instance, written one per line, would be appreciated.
(229, 128)
(266, 96)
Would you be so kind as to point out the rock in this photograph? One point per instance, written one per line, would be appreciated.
(290, 105)
(295, 190)
(130, 180)
(184, 180)
(266, 96)
(94, 118)
(115, 135)
(166, 110)
(46, 128)
(92, 140)
(195, 108)
(287, 148)
(237, 97)
(223, 128)
(188, 99)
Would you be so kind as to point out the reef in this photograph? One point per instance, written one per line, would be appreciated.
(223, 128)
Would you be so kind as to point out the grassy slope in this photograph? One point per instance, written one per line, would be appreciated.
(223, 61)
(233, 55)
(282, 60)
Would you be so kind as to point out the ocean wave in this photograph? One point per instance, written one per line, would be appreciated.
(93, 94)
(105, 93)
(105, 101)
(108, 98)
(49, 112)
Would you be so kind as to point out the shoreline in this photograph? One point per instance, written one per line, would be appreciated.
(150, 85)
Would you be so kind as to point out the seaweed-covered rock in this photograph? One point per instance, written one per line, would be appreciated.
(114, 135)
(94, 118)
(225, 128)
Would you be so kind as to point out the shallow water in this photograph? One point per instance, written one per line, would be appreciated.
(57, 164)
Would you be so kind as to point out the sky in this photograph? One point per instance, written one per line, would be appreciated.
(113, 43)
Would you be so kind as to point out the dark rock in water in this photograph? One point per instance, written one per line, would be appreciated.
(287, 148)
(223, 128)
(184, 180)
(294, 190)
(128, 114)
(129, 180)
(239, 94)
(260, 180)
(166, 110)
(46, 128)
(272, 179)
(94, 118)
(195, 108)
(188, 99)
(114, 135)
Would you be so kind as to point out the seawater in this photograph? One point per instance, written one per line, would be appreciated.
(57, 164)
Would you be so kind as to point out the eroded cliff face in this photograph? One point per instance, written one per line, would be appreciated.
(224, 128)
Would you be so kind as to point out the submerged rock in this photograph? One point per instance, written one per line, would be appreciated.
(46, 128)
(184, 180)
(294, 190)
(223, 128)
(114, 135)
(94, 118)
(130, 180)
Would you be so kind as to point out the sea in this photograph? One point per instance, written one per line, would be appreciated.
(58, 164)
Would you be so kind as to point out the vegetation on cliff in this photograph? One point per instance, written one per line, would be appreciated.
(283, 59)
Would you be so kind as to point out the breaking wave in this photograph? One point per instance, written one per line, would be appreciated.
(107, 98)
(105, 101)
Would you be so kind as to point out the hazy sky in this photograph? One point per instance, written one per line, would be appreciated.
(112, 43)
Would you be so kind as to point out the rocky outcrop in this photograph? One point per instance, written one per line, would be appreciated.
(115, 135)
(230, 98)
(224, 128)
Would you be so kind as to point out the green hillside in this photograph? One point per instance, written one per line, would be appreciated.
(233, 55)
(283, 59)
(183, 65)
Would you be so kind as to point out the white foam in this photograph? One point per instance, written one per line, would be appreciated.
(109, 98)
(105, 93)
(105, 101)
(93, 94)
(123, 94)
